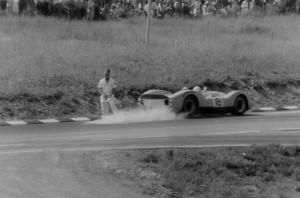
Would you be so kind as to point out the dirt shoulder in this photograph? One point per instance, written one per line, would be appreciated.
(85, 102)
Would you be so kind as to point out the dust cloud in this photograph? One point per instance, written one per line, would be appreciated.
(139, 115)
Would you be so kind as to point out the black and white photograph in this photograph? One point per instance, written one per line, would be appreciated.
(149, 99)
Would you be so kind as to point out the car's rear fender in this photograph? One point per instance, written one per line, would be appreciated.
(154, 98)
(156, 92)
(178, 98)
(230, 98)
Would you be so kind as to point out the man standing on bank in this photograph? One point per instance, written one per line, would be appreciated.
(106, 88)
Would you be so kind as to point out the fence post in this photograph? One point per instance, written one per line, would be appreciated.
(148, 22)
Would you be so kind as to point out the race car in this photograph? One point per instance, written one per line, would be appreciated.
(197, 101)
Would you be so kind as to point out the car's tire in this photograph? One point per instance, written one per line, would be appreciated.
(190, 106)
(240, 106)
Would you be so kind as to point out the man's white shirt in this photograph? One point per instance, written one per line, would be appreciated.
(106, 87)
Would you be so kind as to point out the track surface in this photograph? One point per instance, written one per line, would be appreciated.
(253, 128)
(45, 161)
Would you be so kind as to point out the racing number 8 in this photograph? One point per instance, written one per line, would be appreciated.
(218, 102)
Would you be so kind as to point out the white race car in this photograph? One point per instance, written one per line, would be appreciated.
(197, 101)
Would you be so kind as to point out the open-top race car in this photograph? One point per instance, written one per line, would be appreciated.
(197, 101)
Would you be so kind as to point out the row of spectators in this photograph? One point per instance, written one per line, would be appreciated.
(103, 9)
(6, 6)
(196, 8)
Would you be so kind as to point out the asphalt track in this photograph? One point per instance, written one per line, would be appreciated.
(45, 161)
(282, 127)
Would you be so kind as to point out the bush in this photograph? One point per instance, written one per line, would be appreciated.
(150, 158)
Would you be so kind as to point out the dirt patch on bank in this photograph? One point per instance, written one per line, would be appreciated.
(264, 92)
(58, 104)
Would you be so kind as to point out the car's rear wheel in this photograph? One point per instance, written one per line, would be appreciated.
(240, 106)
(190, 106)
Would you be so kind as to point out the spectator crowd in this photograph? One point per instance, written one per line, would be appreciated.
(112, 9)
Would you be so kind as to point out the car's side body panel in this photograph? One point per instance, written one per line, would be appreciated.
(215, 100)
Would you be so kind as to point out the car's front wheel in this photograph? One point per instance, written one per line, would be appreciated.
(190, 106)
(240, 106)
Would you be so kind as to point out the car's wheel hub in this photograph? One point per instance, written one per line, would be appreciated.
(189, 106)
(240, 105)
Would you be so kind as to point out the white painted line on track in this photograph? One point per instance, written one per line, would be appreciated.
(17, 122)
(229, 133)
(274, 112)
(267, 109)
(46, 121)
(109, 148)
(289, 129)
(291, 107)
(166, 136)
(6, 145)
(80, 119)
(122, 148)
(130, 138)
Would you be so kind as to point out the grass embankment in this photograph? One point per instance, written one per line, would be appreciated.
(51, 67)
(222, 172)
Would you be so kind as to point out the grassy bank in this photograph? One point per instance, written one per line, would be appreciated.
(224, 172)
(51, 67)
